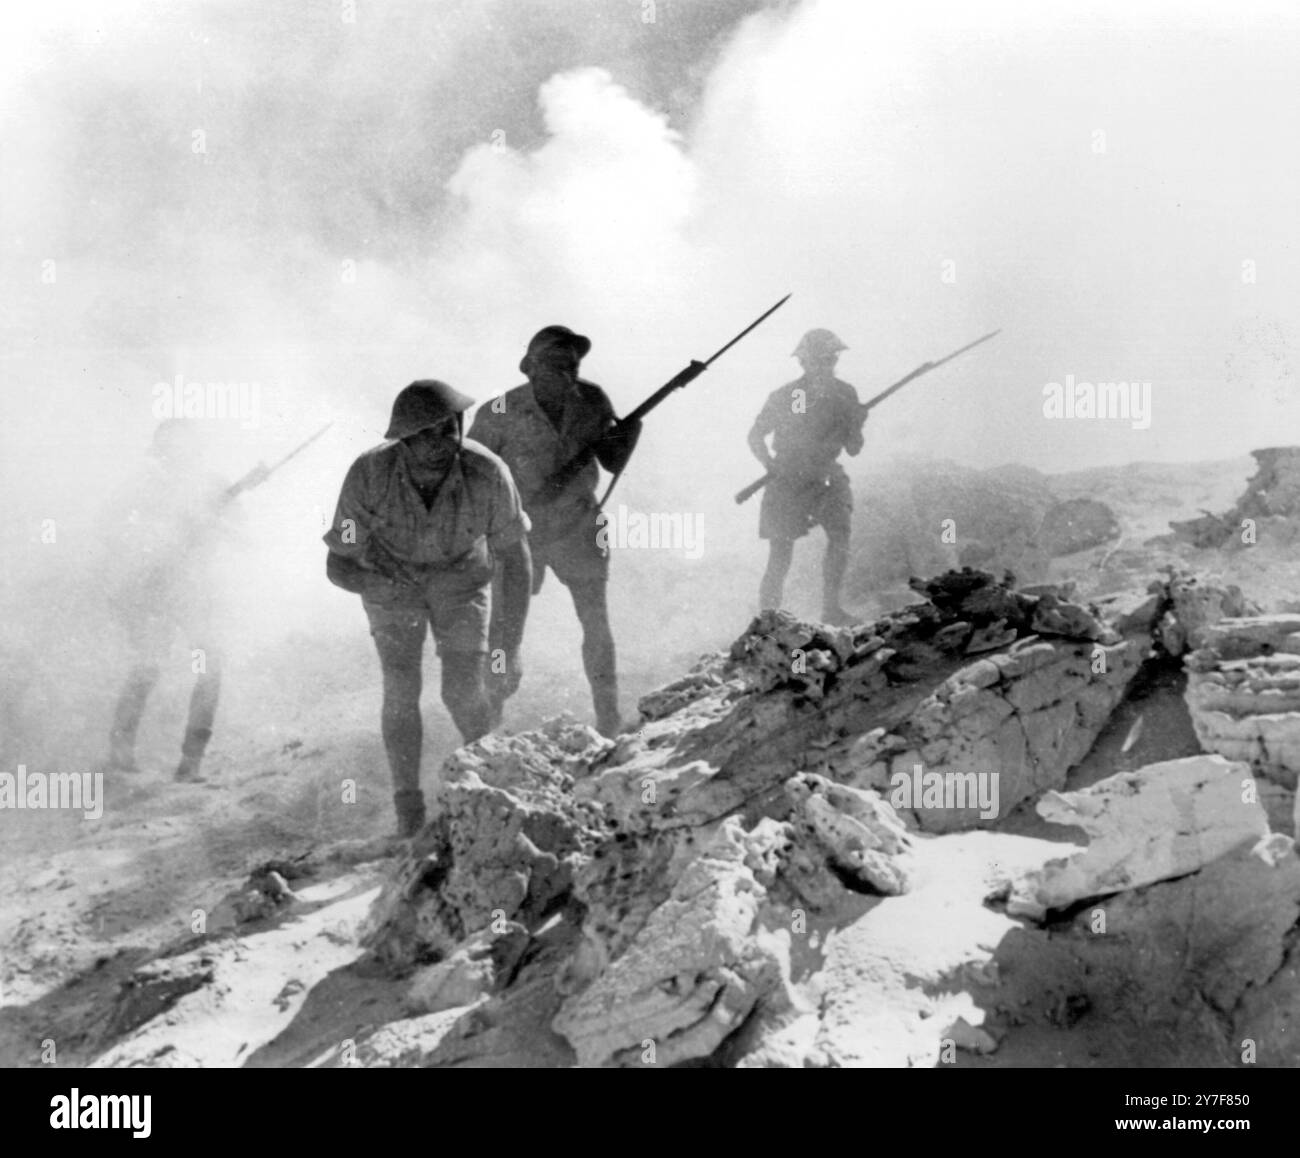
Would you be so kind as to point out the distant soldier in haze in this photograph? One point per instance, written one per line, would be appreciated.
(811, 421)
(420, 521)
(537, 428)
(159, 585)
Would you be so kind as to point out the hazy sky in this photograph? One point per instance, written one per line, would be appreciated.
(331, 199)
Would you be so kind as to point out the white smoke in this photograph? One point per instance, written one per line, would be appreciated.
(1095, 181)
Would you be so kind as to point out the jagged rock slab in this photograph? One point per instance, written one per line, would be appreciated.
(1238, 637)
(505, 839)
(1195, 606)
(469, 973)
(1243, 693)
(693, 973)
(1161, 821)
(1130, 612)
(1016, 721)
(855, 831)
(860, 705)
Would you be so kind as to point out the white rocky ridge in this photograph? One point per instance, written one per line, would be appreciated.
(730, 884)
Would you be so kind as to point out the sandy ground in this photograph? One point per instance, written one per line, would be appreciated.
(83, 902)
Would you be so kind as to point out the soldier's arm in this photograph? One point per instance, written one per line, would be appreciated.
(764, 425)
(507, 536)
(854, 417)
(618, 440)
(516, 592)
(349, 536)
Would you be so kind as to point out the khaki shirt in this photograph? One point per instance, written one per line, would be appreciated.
(812, 422)
(515, 427)
(162, 532)
(476, 505)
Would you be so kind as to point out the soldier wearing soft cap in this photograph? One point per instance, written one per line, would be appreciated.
(537, 428)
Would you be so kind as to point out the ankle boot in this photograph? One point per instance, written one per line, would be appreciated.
(196, 743)
(409, 804)
(608, 721)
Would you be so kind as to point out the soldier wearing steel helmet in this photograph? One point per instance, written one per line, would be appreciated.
(537, 428)
(810, 421)
(421, 520)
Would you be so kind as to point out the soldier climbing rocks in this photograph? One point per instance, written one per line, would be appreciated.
(421, 521)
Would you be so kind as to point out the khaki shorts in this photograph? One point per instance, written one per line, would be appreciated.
(575, 557)
(792, 508)
(454, 603)
(152, 621)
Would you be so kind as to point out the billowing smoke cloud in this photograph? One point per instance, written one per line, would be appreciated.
(328, 201)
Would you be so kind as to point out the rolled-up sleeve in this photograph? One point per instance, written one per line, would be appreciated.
(353, 516)
(506, 521)
(851, 420)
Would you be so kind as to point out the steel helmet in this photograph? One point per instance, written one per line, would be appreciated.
(424, 404)
(818, 342)
(175, 438)
(549, 336)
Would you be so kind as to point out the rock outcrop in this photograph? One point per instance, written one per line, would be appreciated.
(1075, 525)
(760, 793)
(503, 846)
(1243, 691)
(1269, 509)
(1160, 822)
(797, 859)
(1194, 606)
(697, 969)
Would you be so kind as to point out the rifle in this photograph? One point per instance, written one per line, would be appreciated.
(255, 477)
(559, 479)
(865, 408)
(261, 472)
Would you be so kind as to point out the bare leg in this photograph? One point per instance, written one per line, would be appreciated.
(833, 568)
(128, 712)
(401, 647)
(464, 695)
(203, 710)
(780, 553)
(598, 658)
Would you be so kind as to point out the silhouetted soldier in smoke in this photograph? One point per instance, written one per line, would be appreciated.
(811, 420)
(419, 523)
(159, 585)
(537, 428)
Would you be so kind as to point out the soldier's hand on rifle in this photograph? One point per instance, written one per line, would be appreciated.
(618, 443)
(783, 468)
(389, 565)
